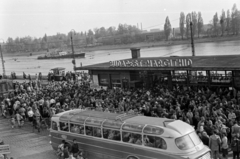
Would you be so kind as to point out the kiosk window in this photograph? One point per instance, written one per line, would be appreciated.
(116, 79)
(179, 76)
(218, 73)
(221, 77)
(198, 77)
(229, 73)
(104, 79)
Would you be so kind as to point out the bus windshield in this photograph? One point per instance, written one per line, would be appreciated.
(188, 141)
(196, 140)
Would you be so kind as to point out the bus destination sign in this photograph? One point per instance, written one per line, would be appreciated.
(152, 63)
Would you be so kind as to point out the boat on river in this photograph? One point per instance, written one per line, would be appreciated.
(60, 55)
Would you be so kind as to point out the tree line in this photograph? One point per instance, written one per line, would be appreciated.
(226, 24)
(80, 39)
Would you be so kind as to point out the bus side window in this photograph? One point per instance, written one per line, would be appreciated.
(89, 131)
(155, 142)
(132, 138)
(111, 134)
(93, 131)
(97, 132)
(54, 125)
(64, 126)
(75, 128)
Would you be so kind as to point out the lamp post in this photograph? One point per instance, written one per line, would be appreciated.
(3, 66)
(73, 61)
(192, 40)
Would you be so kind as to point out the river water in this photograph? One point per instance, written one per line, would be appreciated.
(30, 65)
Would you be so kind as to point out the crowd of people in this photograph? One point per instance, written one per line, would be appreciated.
(213, 112)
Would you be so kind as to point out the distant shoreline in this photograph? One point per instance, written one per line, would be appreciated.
(163, 43)
(135, 45)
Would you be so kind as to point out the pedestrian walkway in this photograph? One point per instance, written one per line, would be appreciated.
(24, 143)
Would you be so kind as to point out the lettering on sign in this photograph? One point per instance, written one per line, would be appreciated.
(152, 63)
(4, 149)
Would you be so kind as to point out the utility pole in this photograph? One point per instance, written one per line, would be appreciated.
(3, 66)
(192, 40)
(73, 61)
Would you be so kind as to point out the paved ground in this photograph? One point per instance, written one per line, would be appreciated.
(24, 143)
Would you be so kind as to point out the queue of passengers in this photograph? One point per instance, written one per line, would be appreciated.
(214, 112)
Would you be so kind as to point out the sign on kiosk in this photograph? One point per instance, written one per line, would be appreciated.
(4, 149)
(181, 62)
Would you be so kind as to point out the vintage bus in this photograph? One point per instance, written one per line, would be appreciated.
(103, 135)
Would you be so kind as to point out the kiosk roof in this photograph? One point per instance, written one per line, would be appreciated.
(224, 62)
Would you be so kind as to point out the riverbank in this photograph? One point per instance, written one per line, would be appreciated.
(128, 46)
(163, 43)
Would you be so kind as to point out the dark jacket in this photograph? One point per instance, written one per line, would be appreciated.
(235, 145)
(75, 148)
(205, 140)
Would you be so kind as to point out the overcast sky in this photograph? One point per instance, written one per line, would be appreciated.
(36, 17)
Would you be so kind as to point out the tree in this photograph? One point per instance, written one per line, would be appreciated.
(111, 30)
(199, 23)
(90, 33)
(238, 22)
(228, 22)
(215, 24)
(181, 23)
(234, 19)
(223, 22)
(194, 22)
(102, 32)
(188, 20)
(96, 33)
(44, 43)
(167, 28)
(120, 29)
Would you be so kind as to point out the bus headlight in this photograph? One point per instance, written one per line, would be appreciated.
(50, 142)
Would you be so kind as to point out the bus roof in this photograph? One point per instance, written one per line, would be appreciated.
(96, 114)
(133, 122)
(148, 120)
